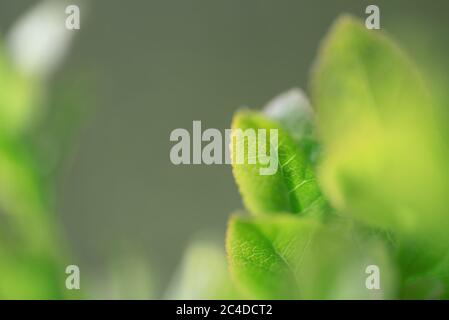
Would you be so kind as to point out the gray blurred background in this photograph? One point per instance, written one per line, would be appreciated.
(145, 68)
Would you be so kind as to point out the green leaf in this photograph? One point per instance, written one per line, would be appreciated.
(441, 273)
(19, 97)
(289, 257)
(432, 284)
(292, 188)
(384, 161)
(30, 275)
(30, 263)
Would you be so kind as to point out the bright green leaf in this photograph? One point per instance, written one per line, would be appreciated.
(19, 98)
(293, 187)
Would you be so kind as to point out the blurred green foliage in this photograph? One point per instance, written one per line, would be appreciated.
(18, 98)
(383, 140)
(363, 181)
(30, 257)
(381, 168)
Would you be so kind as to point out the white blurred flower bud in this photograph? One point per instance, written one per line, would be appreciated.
(39, 40)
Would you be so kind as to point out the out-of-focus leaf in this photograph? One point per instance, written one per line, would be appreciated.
(30, 257)
(441, 273)
(293, 111)
(17, 180)
(431, 284)
(384, 159)
(203, 274)
(290, 257)
(30, 267)
(19, 98)
(292, 188)
(29, 275)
